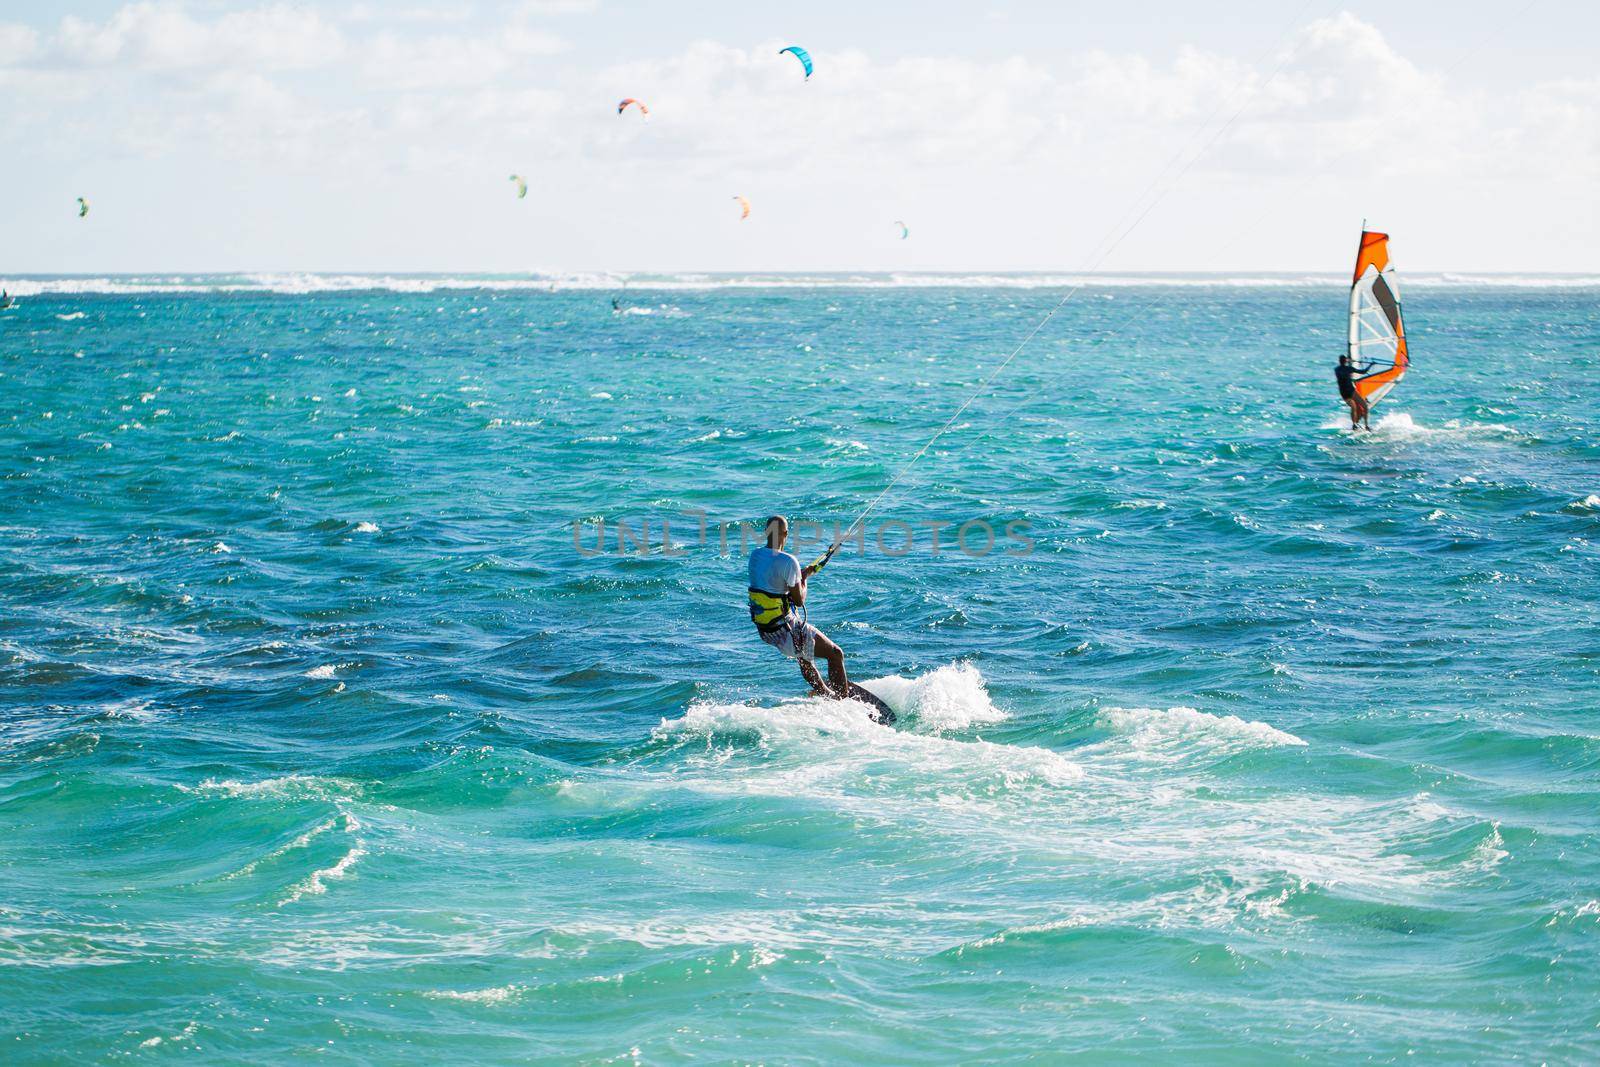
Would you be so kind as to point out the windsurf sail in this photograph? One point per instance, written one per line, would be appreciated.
(1377, 332)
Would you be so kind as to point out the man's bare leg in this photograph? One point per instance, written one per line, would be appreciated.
(837, 681)
(808, 670)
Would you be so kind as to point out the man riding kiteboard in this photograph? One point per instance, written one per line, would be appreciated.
(777, 587)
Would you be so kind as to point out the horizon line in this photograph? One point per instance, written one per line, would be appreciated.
(781, 272)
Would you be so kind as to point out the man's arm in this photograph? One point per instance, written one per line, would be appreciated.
(797, 591)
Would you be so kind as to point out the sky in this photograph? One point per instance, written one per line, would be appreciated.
(1242, 135)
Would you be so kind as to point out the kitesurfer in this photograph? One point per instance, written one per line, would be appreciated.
(1345, 373)
(616, 306)
(777, 588)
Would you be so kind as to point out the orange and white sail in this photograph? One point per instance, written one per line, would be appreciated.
(1377, 333)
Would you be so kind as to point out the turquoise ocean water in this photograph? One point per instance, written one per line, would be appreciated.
(327, 732)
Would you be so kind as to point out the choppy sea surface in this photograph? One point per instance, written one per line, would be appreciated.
(333, 723)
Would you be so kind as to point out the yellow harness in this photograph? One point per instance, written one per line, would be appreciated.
(772, 610)
(768, 610)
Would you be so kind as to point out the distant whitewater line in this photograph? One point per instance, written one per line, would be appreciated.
(313, 282)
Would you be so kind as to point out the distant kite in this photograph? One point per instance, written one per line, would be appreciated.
(802, 55)
(905, 231)
(522, 185)
(83, 207)
(744, 208)
(643, 110)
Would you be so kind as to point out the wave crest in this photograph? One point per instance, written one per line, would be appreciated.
(1152, 727)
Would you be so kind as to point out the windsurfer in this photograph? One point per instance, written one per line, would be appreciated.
(1345, 372)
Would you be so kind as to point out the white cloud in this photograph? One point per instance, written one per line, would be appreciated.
(164, 36)
(543, 8)
(18, 44)
(295, 94)
(720, 109)
(445, 61)
(391, 13)
(1134, 89)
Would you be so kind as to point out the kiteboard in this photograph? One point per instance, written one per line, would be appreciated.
(882, 713)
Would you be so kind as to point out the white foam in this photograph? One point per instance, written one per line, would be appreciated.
(287, 787)
(1426, 809)
(497, 995)
(954, 697)
(798, 720)
(298, 843)
(1401, 426)
(833, 748)
(366, 527)
(668, 930)
(186, 1034)
(1152, 727)
(1146, 797)
(1506, 281)
(132, 708)
(325, 671)
(71, 317)
(1213, 904)
(847, 445)
(1488, 853)
(1404, 426)
(317, 881)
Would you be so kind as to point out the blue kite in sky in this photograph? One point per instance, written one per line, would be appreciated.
(802, 55)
